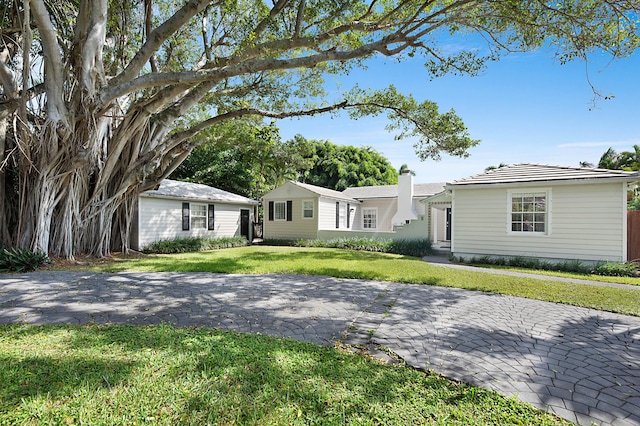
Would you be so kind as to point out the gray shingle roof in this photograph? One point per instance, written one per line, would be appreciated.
(525, 172)
(194, 191)
(391, 191)
(324, 192)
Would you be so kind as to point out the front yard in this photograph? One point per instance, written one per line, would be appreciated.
(117, 375)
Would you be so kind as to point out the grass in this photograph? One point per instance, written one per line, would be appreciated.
(574, 275)
(378, 266)
(163, 375)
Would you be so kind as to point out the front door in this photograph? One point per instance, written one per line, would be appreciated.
(448, 237)
(244, 223)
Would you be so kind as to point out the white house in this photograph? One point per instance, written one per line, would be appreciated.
(548, 212)
(297, 210)
(182, 209)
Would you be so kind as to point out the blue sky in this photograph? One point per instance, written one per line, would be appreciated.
(527, 107)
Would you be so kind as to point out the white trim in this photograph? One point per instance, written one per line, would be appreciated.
(342, 216)
(313, 208)
(364, 210)
(547, 222)
(625, 219)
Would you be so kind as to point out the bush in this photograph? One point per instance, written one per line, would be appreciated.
(619, 269)
(626, 269)
(416, 248)
(193, 244)
(22, 260)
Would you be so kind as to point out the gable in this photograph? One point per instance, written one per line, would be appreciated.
(291, 189)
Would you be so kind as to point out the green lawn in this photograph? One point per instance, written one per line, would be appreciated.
(112, 375)
(379, 266)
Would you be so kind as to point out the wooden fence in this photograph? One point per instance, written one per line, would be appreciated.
(633, 235)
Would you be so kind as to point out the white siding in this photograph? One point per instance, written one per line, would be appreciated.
(586, 222)
(327, 216)
(161, 219)
(386, 209)
(298, 227)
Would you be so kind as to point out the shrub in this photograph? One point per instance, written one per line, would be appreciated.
(626, 269)
(193, 244)
(22, 260)
(416, 248)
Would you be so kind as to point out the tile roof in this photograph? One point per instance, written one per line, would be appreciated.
(391, 191)
(195, 191)
(525, 172)
(325, 192)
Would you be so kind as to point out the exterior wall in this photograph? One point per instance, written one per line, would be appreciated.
(386, 209)
(161, 219)
(419, 207)
(415, 230)
(586, 222)
(298, 227)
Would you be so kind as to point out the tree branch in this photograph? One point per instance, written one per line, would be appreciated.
(54, 74)
(159, 36)
(247, 67)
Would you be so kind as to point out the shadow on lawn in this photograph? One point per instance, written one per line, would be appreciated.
(230, 377)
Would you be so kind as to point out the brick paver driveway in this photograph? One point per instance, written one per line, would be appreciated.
(579, 363)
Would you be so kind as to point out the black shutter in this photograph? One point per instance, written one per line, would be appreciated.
(348, 215)
(211, 218)
(289, 211)
(337, 214)
(270, 210)
(185, 216)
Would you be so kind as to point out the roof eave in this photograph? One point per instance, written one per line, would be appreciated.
(586, 181)
(184, 198)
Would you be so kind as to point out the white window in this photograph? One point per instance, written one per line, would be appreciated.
(529, 212)
(280, 210)
(369, 218)
(198, 216)
(307, 209)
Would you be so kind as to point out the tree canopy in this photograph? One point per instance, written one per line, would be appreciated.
(251, 160)
(247, 158)
(340, 167)
(102, 99)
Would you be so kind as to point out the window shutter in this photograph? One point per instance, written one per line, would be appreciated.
(348, 215)
(211, 218)
(289, 211)
(337, 214)
(185, 216)
(271, 210)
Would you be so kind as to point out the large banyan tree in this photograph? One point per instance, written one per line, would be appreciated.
(101, 99)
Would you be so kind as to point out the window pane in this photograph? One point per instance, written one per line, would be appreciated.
(307, 209)
(198, 216)
(280, 210)
(529, 212)
(369, 218)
